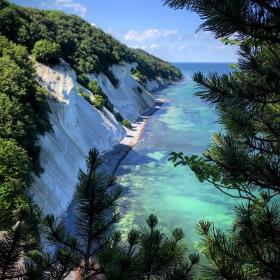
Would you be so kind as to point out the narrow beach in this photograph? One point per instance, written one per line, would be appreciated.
(113, 158)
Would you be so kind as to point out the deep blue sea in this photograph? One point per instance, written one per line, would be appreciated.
(153, 185)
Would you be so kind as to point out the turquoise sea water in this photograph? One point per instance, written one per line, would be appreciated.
(152, 184)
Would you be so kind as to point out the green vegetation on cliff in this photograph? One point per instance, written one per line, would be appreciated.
(150, 67)
(86, 48)
(46, 52)
(24, 117)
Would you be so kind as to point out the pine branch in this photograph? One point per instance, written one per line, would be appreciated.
(12, 250)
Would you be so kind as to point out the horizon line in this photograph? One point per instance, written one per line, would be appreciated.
(204, 62)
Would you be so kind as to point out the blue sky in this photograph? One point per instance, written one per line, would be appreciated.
(147, 24)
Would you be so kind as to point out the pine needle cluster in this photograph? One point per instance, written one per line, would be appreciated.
(243, 160)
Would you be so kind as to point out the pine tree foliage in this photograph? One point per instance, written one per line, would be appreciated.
(247, 103)
(250, 251)
(257, 19)
(22, 259)
(44, 266)
(148, 253)
(12, 250)
(97, 250)
(243, 159)
(97, 199)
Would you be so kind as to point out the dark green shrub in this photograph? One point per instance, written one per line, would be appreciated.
(46, 51)
(140, 77)
(96, 90)
(98, 102)
(94, 87)
(127, 124)
(108, 104)
(80, 90)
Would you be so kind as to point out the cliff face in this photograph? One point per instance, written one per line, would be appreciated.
(130, 98)
(77, 127)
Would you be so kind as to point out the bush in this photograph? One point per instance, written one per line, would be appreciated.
(96, 90)
(108, 105)
(98, 102)
(127, 124)
(46, 52)
(94, 87)
(99, 99)
(139, 76)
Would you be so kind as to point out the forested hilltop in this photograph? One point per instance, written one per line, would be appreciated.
(86, 48)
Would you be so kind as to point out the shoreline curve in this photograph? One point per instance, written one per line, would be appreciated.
(113, 159)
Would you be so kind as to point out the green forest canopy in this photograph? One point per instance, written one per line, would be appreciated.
(86, 48)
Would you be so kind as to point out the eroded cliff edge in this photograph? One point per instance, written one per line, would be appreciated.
(78, 126)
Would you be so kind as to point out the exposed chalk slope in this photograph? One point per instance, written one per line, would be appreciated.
(78, 127)
(129, 98)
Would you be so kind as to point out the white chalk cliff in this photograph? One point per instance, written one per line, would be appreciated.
(126, 98)
(78, 126)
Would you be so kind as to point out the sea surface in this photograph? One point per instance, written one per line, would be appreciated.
(153, 185)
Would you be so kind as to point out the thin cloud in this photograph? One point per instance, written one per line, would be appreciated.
(135, 46)
(149, 34)
(146, 48)
(70, 4)
(174, 45)
(182, 47)
(154, 46)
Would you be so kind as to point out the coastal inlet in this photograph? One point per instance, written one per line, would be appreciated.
(152, 184)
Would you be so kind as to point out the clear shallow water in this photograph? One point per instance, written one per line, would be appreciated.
(152, 184)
